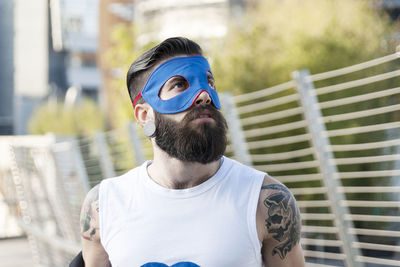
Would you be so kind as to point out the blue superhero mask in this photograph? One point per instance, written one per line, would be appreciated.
(193, 69)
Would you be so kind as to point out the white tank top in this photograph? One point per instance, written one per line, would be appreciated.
(210, 225)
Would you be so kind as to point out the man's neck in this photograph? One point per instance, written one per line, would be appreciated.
(176, 174)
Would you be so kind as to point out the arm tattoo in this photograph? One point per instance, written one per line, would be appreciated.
(89, 215)
(283, 219)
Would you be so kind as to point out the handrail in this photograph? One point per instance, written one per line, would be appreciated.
(353, 68)
(56, 242)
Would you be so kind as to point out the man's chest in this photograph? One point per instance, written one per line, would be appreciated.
(207, 236)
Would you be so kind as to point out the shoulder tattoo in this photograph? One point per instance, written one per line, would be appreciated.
(283, 219)
(90, 215)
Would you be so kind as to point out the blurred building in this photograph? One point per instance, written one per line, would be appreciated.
(24, 59)
(46, 47)
(7, 67)
(74, 33)
(202, 20)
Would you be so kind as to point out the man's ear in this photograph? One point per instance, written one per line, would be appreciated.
(144, 113)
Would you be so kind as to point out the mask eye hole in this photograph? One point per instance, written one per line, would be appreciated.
(173, 87)
(210, 79)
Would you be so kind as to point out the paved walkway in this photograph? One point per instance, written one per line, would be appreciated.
(15, 253)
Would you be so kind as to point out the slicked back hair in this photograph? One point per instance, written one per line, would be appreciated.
(141, 68)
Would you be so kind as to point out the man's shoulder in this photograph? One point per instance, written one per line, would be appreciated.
(123, 178)
(237, 166)
(120, 187)
(272, 187)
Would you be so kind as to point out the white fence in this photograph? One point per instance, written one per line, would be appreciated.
(333, 138)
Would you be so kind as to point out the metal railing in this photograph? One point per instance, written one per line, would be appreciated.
(333, 138)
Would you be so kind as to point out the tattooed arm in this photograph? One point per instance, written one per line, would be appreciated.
(92, 250)
(278, 225)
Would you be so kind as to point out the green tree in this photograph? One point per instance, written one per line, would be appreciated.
(82, 119)
(277, 37)
(120, 55)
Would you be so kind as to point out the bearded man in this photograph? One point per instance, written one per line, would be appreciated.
(190, 206)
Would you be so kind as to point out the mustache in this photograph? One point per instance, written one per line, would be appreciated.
(195, 113)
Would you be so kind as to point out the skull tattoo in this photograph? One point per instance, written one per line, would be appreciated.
(283, 219)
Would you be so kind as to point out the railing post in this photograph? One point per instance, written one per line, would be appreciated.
(79, 165)
(238, 139)
(106, 165)
(136, 144)
(324, 155)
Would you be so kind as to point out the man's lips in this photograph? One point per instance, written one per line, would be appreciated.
(204, 116)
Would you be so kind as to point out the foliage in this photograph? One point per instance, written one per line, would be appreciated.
(119, 57)
(122, 52)
(276, 38)
(82, 119)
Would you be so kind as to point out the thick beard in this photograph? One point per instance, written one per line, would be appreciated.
(204, 143)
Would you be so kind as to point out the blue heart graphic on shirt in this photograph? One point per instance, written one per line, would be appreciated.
(179, 264)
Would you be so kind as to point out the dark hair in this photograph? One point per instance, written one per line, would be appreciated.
(141, 68)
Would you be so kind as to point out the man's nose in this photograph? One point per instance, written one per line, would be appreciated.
(203, 99)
